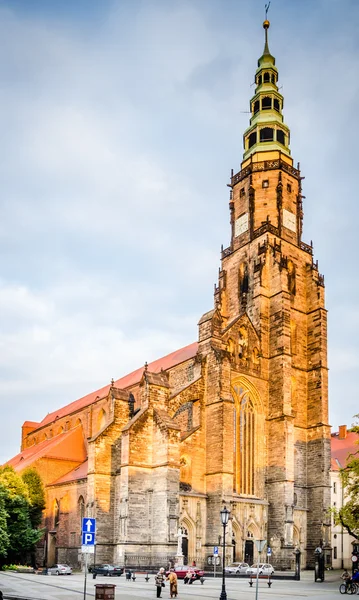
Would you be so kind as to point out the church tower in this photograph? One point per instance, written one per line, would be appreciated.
(265, 349)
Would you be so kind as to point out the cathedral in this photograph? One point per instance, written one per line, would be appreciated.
(237, 419)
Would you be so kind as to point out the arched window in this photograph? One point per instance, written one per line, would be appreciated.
(266, 134)
(81, 509)
(56, 513)
(252, 139)
(276, 104)
(248, 433)
(259, 79)
(256, 107)
(266, 103)
(273, 79)
(245, 446)
(266, 78)
(280, 136)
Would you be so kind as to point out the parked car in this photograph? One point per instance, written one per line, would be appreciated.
(181, 572)
(59, 570)
(264, 569)
(106, 569)
(237, 568)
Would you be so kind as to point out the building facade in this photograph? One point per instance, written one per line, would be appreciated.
(239, 418)
(344, 445)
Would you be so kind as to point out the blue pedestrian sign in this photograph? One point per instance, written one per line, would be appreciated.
(215, 551)
(269, 551)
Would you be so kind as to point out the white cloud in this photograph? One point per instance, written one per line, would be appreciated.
(117, 143)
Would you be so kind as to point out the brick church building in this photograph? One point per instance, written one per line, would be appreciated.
(239, 418)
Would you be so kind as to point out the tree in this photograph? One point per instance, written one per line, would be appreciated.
(16, 525)
(348, 514)
(36, 494)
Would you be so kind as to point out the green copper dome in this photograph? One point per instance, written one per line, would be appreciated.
(267, 130)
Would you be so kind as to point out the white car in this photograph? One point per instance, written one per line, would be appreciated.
(237, 567)
(262, 568)
(59, 570)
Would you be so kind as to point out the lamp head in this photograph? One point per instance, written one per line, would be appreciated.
(225, 515)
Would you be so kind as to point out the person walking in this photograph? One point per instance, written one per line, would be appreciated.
(160, 581)
(172, 578)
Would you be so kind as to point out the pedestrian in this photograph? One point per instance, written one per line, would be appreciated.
(188, 577)
(160, 581)
(128, 575)
(172, 577)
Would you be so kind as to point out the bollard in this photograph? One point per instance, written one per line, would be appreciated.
(147, 578)
(94, 575)
(134, 577)
(201, 580)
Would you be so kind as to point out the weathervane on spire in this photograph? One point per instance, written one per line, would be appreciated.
(266, 8)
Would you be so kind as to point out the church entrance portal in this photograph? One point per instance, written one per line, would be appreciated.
(249, 552)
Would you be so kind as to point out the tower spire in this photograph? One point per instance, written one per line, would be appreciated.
(267, 130)
(266, 25)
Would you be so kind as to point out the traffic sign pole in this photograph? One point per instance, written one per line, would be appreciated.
(88, 542)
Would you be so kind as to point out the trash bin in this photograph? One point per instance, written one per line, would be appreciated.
(105, 591)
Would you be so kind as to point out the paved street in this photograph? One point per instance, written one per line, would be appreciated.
(39, 587)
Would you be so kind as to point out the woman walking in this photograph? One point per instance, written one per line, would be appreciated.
(160, 581)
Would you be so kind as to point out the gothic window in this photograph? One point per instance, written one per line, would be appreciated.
(265, 183)
(267, 134)
(244, 436)
(266, 103)
(242, 193)
(81, 509)
(243, 279)
(256, 106)
(56, 513)
(266, 78)
(252, 139)
(289, 187)
(280, 137)
(276, 104)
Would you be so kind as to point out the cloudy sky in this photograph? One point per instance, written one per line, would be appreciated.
(120, 122)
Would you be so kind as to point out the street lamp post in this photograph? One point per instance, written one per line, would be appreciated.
(224, 518)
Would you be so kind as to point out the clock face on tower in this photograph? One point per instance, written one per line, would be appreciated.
(241, 224)
(289, 220)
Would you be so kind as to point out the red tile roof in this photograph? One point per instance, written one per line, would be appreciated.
(166, 362)
(79, 472)
(341, 449)
(68, 445)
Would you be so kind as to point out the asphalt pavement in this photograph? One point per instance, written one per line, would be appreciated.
(71, 587)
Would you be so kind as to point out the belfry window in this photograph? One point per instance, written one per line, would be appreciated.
(266, 103)
(252, 139)
(280, 136)
(266, 134)
(266, 78)
(276, 104)
(259, 79)
(256, 107)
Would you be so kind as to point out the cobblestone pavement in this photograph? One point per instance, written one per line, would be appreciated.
(39, 587)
